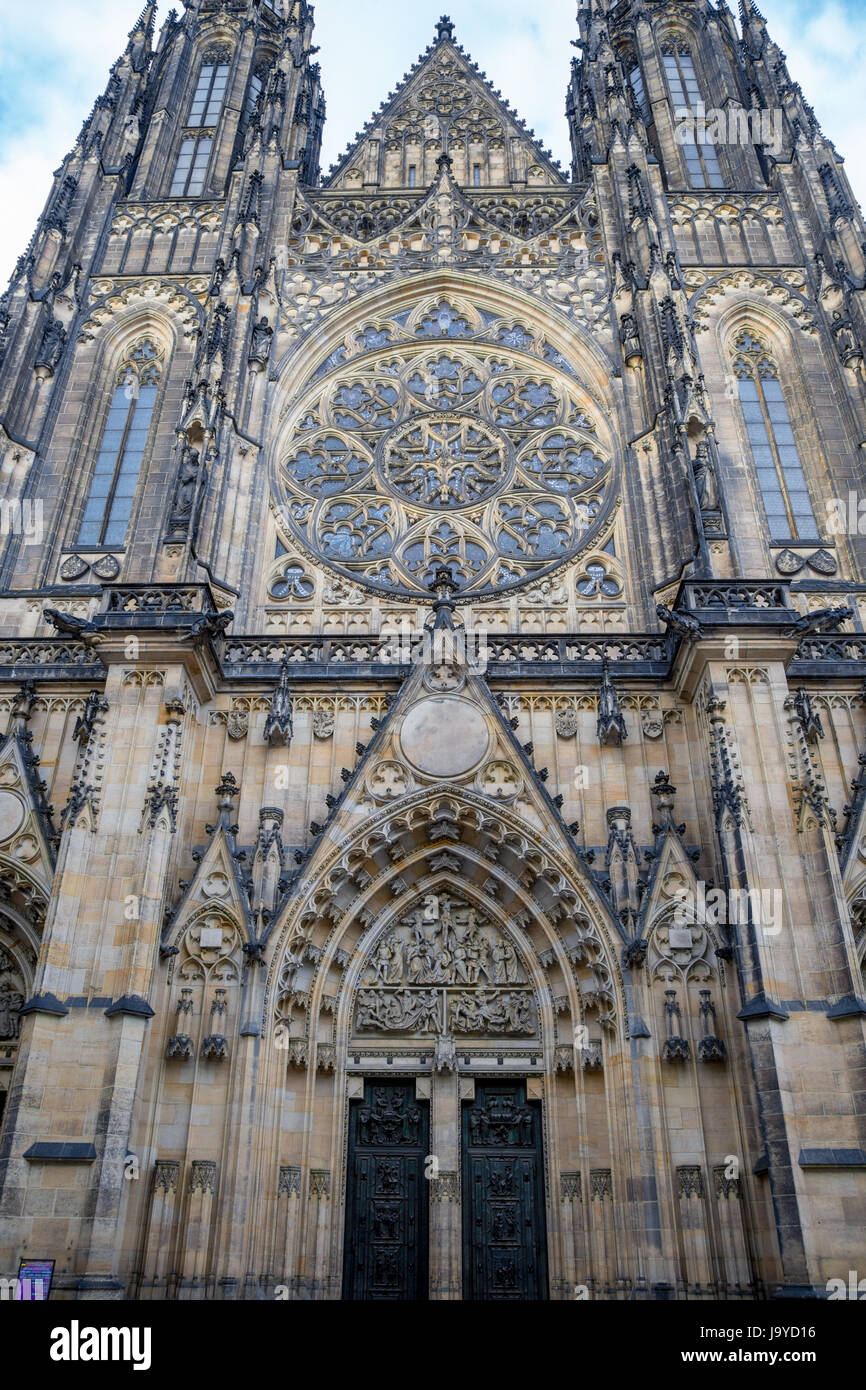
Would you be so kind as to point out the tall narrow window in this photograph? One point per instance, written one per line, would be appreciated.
(254, 91)
(777, 460)
(413, 175)
(115, 477)
(476, 175)
(191, 168)
(635, 77)
(702, 161)
(207, 103)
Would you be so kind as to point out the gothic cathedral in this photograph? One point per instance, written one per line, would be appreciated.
(433, 770)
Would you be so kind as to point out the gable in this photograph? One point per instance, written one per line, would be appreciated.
(445, 105)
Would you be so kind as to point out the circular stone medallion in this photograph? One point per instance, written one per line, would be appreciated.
(11, 815)
(444, 737)
(445, 460)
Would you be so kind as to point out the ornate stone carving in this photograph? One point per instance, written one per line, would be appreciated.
(445, 1187)
(202, 1177)
(165, 1175)
(289, 1183)
(570, 1187)
(278, 725)
(566, 722)
(500, 780)
(388, 780)
(445, 969)
(690, 1181)
(237, 725)
(11, 1003)
(323, 724)
(725, 1186)
(601, 1185)
(320, 1183)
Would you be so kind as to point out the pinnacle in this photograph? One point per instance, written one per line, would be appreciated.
(445, 29)
(145, 21)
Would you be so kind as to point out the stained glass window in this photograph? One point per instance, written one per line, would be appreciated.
(121, 451)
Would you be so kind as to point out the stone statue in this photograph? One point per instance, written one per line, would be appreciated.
(11, 1002)
(262, 341)
(705, 480)
(184, 496)
(630, 339)
(52, 345)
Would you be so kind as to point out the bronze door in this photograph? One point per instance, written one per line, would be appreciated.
(386, 1204)
(504, 1239)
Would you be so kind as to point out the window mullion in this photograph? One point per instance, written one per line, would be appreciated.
(777, 461)
(121, 453)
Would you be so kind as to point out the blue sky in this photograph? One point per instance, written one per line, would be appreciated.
(51, 72)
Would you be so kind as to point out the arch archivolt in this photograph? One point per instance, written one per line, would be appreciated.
(445, 842)
(343, 329)
(122, 311)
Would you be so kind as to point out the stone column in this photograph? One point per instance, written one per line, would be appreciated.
(445, 1092)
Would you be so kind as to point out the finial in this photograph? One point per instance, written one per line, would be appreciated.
(225, 793)
(278, 725)
(444, 162)
(444, 586)
(445, 29)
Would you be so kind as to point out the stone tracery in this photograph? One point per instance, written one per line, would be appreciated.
(405, 461)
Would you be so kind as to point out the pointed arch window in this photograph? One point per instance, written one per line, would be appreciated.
(777, 460)
(702, 160)
(196, 148)
(253, 102)
(121, 451)
(207, 103)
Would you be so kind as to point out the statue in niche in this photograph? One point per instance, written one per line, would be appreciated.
(184, 496)
(705, 480)
(262, 341)
(52, 345)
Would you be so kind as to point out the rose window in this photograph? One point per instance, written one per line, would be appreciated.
(405, 456)
(445, 460)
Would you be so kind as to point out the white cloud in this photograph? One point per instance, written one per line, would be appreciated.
(51, 73)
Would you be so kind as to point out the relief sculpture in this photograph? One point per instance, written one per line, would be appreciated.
(444, 966)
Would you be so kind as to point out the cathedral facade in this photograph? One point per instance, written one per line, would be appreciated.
(432, 656)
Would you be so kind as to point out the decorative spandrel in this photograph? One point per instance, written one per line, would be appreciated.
(452, 453)
(443, 968)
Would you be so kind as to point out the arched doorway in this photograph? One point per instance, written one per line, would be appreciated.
(445, 985)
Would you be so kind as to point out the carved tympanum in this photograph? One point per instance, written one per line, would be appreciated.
(444, 967)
